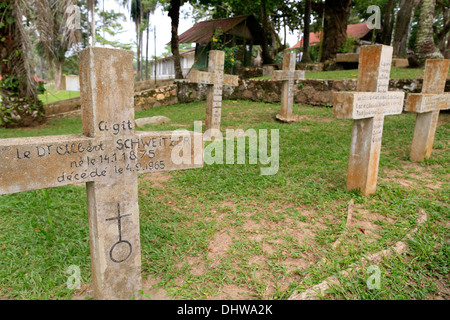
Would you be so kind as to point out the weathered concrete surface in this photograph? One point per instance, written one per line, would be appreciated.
(107, 157)
(288, 76)
(427, 105)
(368, 107)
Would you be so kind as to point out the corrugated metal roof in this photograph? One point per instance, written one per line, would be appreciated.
(203, 32)
(242, 26)
(358, 30)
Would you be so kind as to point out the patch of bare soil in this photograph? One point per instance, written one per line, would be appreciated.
(412, 175)
(156, 179)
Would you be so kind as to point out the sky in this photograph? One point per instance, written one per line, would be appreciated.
(161, 20)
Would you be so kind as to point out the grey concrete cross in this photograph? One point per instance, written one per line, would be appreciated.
(367, 108)
(215, 79)
(427, 105)
(288, 75)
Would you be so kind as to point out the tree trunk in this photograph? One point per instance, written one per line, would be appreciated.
(138, 51)
(442, 36)
(447, 51)
(92, 9)
(146, 46)
(306, 57)
(425, 47)
(402, 27)
(174, 14)
(19, 101)
(58, 75)
(335, 27)
(266, 56)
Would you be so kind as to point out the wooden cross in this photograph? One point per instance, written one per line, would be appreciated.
(108, 157)
(367, 108)
(215, 79)
(288, 75)
(427, 105)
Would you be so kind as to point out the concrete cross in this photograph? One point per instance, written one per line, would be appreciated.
(107, 157)
(367, 108)
(288, 75)
(216, 79)
(427, 105)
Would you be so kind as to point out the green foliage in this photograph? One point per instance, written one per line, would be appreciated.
(218, 43)
(226, 226)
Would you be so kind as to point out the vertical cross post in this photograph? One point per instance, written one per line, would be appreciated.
(215, 79)
(107, 95)
(288, 75)
(367, 108)
(427, 105)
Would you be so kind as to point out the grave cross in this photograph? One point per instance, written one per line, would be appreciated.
(288, 75)
(367, 108)
(215, 79)
(107, 157)
(427, 105)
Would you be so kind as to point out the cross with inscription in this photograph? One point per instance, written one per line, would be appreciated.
(427, 105)
(367, 108)
(288, 75)
(108, 157)
(215, 79)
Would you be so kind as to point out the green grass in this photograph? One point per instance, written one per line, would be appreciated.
(52, 95)
(396, 73)
(225, 231)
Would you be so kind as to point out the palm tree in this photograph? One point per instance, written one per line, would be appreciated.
(174, 14)
(18, 90)
(55, 37)
(425, 47)
(136, 14)
(91, 8)
(148, 7)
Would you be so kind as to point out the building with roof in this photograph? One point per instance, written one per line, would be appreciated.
(165, 68)
(242, 31)
(359, 31)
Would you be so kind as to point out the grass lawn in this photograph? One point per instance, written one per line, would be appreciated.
(52, 95)
(227, 232)
(396, 73)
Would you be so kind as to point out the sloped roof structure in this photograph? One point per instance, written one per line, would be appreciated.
(244, 27)
(358, 30)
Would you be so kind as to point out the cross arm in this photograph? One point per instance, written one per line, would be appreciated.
(204, 77)
(54, 161)
(361, 105)
(422, 102)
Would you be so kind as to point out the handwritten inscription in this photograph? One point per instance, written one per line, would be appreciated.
(60, 160)
(420, 102)
(367, 105)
